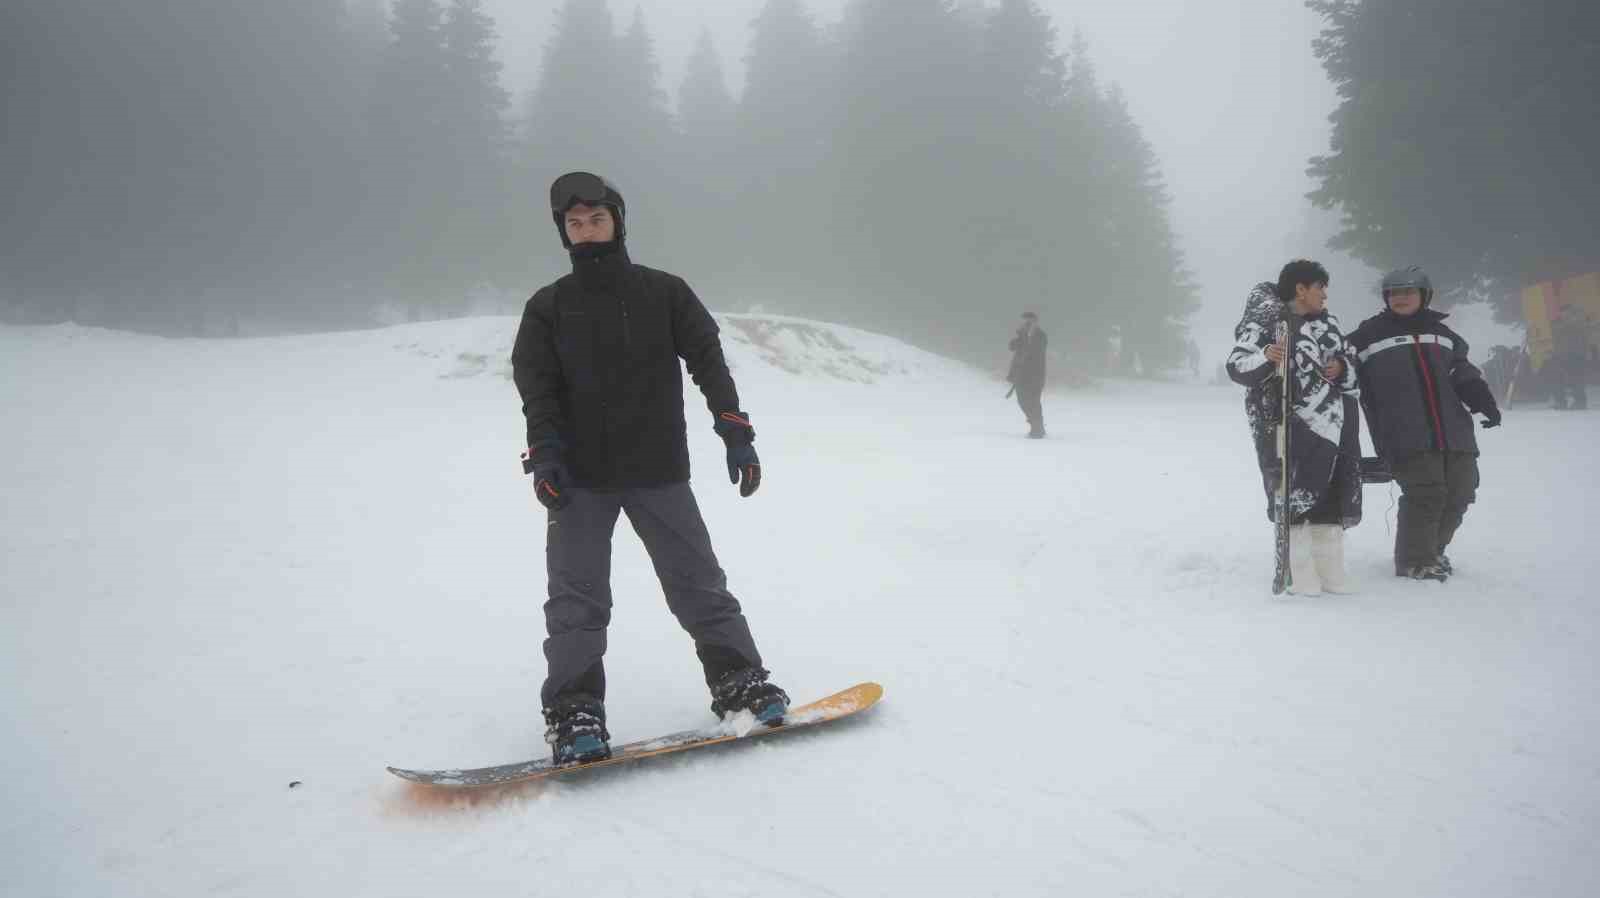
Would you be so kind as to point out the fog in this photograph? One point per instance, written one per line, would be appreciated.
(920, 167)
(1227, 91)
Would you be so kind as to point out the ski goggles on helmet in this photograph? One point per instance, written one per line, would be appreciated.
(578, 187)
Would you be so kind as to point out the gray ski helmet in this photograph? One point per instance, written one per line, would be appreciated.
(1405, 279)
(589, 189)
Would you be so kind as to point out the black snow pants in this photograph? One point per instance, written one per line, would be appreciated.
(1436, 488)
(578, 564)
(1030, 399)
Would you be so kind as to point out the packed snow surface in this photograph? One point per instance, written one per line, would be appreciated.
(241, 577)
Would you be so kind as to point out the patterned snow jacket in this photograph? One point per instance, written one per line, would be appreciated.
(1417, 385)
(1325, 435)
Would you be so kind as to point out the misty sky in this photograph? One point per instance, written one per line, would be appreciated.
(1227, 91)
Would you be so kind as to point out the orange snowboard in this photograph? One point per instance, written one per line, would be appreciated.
(841, 704)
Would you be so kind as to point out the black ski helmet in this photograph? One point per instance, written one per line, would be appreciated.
(1406, 279)
(577, 187)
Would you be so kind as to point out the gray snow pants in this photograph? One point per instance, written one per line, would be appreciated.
(1435, 490)
(578, 565)
(1030, 400)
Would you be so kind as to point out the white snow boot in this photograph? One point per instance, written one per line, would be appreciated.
(1303, 579)
(1327, 552)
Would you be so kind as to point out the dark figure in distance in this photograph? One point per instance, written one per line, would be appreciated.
(1573, 335)
(1027, 372)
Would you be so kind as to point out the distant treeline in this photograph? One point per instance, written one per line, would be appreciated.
(920, 166)
(1467, 139)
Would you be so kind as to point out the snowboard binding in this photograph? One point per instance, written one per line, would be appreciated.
(575, 729)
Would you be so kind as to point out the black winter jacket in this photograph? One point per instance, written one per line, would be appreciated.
(596, 362)
(1027, 359)
(1417, 385)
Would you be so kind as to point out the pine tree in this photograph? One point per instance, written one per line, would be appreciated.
(571, 122)
(1152, 293)
(703, 185)
(639, 77)
(901, 165)
(787, 120)
(705, 108)
(475, 135)
(651, 163)
(408, 118)
(1023, 91)
(1463, 141)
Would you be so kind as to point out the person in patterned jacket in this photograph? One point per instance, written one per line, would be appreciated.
(1325, 438)
(1418, 391)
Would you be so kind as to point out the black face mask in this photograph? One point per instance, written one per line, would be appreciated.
(588, 252)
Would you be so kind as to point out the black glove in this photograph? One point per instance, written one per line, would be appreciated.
(744, 467)
(1479, 398)
(549, 475)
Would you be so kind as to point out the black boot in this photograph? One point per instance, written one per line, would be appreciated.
(748, 690)
(1430, 571)
(575, 728)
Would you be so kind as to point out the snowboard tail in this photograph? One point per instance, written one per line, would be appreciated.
(837, 706)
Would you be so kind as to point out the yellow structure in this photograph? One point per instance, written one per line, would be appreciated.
(1542, 302)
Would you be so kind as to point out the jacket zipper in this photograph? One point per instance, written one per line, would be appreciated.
(1428, 389)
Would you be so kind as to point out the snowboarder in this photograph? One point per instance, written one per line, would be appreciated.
(1417, 388)
(1572, 334)
(1027, 372)
(1325, 455)
(596, 362)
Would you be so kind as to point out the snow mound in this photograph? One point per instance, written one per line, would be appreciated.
(476, 347)
(818, 349)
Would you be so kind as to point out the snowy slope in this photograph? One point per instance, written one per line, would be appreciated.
(229, 566)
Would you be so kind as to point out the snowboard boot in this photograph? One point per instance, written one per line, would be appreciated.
(575, 728)
(1443, 563)
(748, 690)
(1327, 554)
(1429, 571)
(1303, 579)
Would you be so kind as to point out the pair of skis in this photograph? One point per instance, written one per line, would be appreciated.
(1289, 332)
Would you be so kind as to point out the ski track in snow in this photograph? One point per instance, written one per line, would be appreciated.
(233, 565)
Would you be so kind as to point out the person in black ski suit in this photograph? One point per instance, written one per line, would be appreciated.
(1573, 337)
(1027, 372)
(1417, 388)
(596, 362)
(1325, 435)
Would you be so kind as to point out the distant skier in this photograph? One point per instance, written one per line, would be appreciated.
(1573, 335)
(1416, 389)
(596, 361)
(1027, 372)
(1325, 443)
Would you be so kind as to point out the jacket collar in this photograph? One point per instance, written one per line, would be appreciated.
(600, 265)
(1422, 318)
